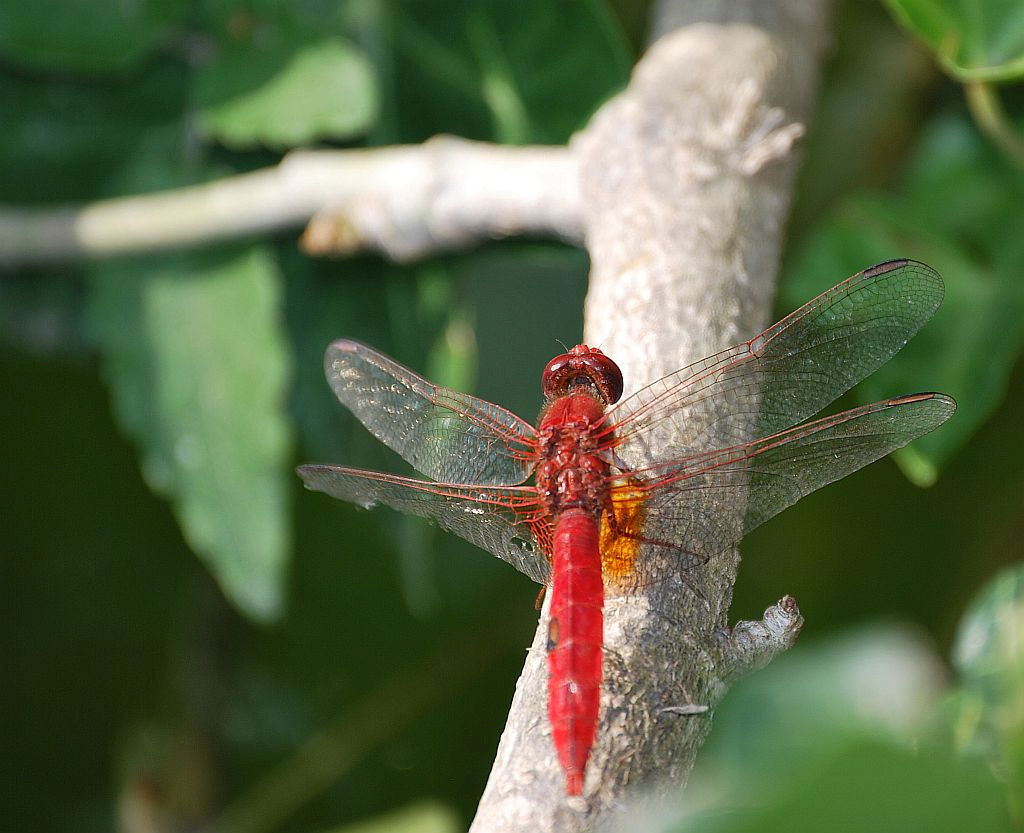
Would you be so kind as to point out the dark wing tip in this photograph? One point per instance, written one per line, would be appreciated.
(346, 345)
(929, 396)
(343, 346)
(927, 280)
(908, 264)
(313, 475)
(309, 473)
(938, 406)
(898, 263)
(338, 482)
(886, 266)
(948, 401)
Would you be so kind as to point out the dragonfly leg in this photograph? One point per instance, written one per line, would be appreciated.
(613, 459)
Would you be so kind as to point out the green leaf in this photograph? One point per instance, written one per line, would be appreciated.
(85, 35)
(326, 300)
(959, 213)
(974, 40)
(822, 740)
(989, 656)
(194, 354)
(871, 63)
(508, 70)
(286, 94)
(878, 682)
(869, 786)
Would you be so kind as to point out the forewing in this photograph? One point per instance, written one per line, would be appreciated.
(703, 505)
(446, 435)
(785, 375)
(502, 520)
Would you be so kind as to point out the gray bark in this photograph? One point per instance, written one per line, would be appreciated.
(686, 180)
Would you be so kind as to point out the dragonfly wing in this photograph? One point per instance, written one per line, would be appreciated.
(502, 520)
(704, 504)
(788, 373)
(446, 435)
(806, 458)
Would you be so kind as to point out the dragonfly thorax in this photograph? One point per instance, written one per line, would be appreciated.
(572, 473)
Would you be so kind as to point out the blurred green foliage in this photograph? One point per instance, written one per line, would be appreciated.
(988, 707)
(212, 435)
(163, 690)
(279, 112)
(828, 738)
(87, 35)
(973, 40)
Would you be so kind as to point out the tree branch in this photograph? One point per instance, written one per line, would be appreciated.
(748, 645)
(405, 202)
(686, 180)
(450, 194)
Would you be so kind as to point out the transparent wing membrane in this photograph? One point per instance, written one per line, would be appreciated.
(502, 520)
(442, 433)
(699, 458)
(785, 375)
(706, 503)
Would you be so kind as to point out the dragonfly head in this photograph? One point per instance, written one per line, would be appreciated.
(584, 368)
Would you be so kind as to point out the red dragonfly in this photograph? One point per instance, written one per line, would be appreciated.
(612, 501)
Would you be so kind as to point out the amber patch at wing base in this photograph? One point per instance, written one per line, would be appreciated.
(622, 535)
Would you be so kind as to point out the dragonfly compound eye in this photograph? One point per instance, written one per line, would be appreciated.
(583, 367)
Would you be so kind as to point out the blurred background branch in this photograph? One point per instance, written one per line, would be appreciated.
(404, 202)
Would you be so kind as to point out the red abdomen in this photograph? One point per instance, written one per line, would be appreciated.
(575, 636)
